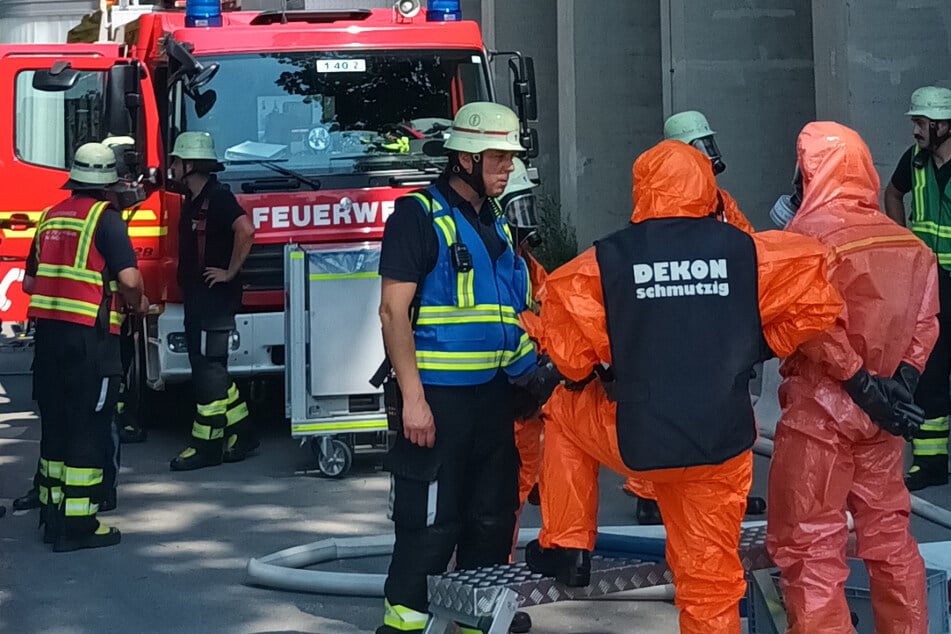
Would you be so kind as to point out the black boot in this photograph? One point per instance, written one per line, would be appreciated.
(927, 471)
(648, 512)
(570, 566)
(241, 450)
(534, 497)
(108, 503)
(131, 432)
(51, 523)
(755, 505)
(31, 500)
(521, 623)
(102, 537)
(190, 459)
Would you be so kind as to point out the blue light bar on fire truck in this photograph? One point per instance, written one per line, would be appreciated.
(203, 13)
(443, 11)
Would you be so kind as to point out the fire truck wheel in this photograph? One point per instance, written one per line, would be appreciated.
(334, 456)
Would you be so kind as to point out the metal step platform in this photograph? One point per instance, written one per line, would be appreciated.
(487, 598)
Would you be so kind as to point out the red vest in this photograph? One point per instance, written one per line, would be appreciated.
(69, 283)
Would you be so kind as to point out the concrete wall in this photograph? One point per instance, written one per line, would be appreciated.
(610, 111)
(610, 72)
(531, 27)
(870, 57)
(747, 66)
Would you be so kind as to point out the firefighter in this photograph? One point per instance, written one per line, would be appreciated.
(31, 499)
(925, 170)
(215, 237)
(128, 427)
(838, 446)
(690, 127)
(81, 272)
(518, 205)
(657, 326)
(454, 467)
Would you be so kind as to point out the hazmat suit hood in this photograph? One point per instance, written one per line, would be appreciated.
(838, 175)
(673, 179)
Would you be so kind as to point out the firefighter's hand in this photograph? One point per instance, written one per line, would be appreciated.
(217, 276)
(418, 425)
(143, 305)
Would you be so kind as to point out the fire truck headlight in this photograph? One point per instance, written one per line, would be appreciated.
(177, 342)
(444, 11)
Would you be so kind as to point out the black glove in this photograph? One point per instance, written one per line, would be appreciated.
(886, 401)
(907, 375)
(532, 390)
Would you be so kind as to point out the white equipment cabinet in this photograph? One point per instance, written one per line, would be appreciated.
(333, 347)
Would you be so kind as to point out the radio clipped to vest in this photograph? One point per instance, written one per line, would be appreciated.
(461, 257)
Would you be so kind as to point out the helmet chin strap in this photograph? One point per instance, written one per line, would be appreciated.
(934, 140)
(474, 179)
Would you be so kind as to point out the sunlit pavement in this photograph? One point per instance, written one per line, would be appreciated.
(187, 538)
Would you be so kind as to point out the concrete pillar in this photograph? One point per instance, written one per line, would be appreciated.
(749, 69)
(530, 27)
(870, 57)
(609, 107)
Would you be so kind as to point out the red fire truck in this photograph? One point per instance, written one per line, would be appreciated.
(322, 117)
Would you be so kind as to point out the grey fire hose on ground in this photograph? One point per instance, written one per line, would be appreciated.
(285, 569)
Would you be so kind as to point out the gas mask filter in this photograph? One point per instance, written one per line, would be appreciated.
(786, 206)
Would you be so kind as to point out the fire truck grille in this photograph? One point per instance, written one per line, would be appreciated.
(264, 268)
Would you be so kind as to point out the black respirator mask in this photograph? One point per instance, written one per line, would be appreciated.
(787, 205)
(708, 146)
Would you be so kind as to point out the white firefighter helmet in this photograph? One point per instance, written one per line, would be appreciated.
(94, 166)
(481, 126)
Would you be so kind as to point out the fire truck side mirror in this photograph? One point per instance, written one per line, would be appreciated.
(60, 78)
(123, 99)
(530, 142)
(529, 94)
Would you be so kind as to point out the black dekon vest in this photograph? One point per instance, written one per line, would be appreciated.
(682, 304)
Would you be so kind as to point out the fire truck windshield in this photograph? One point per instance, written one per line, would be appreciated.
(333, 112)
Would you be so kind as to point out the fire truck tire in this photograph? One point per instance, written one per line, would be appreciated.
(334, 456)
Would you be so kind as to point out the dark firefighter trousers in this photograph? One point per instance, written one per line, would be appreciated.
(460, 496)
(75, 383)
(933, 394)
(221, 414)
(125, 403)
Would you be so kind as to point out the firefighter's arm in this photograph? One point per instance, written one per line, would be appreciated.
(732, 213)
(29, 277)
(574, 326)
(894, 204)
(926, 327)
(395, 302)
(243, 239)
(796, 299)
(131, 289)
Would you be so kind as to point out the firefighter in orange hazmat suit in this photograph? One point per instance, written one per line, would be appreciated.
(680, 305)
(690, 127)
(829, 455)
(518, 205)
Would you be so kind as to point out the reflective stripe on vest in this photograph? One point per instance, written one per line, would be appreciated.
(931, 211)
(468, 327)
(69, 284)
